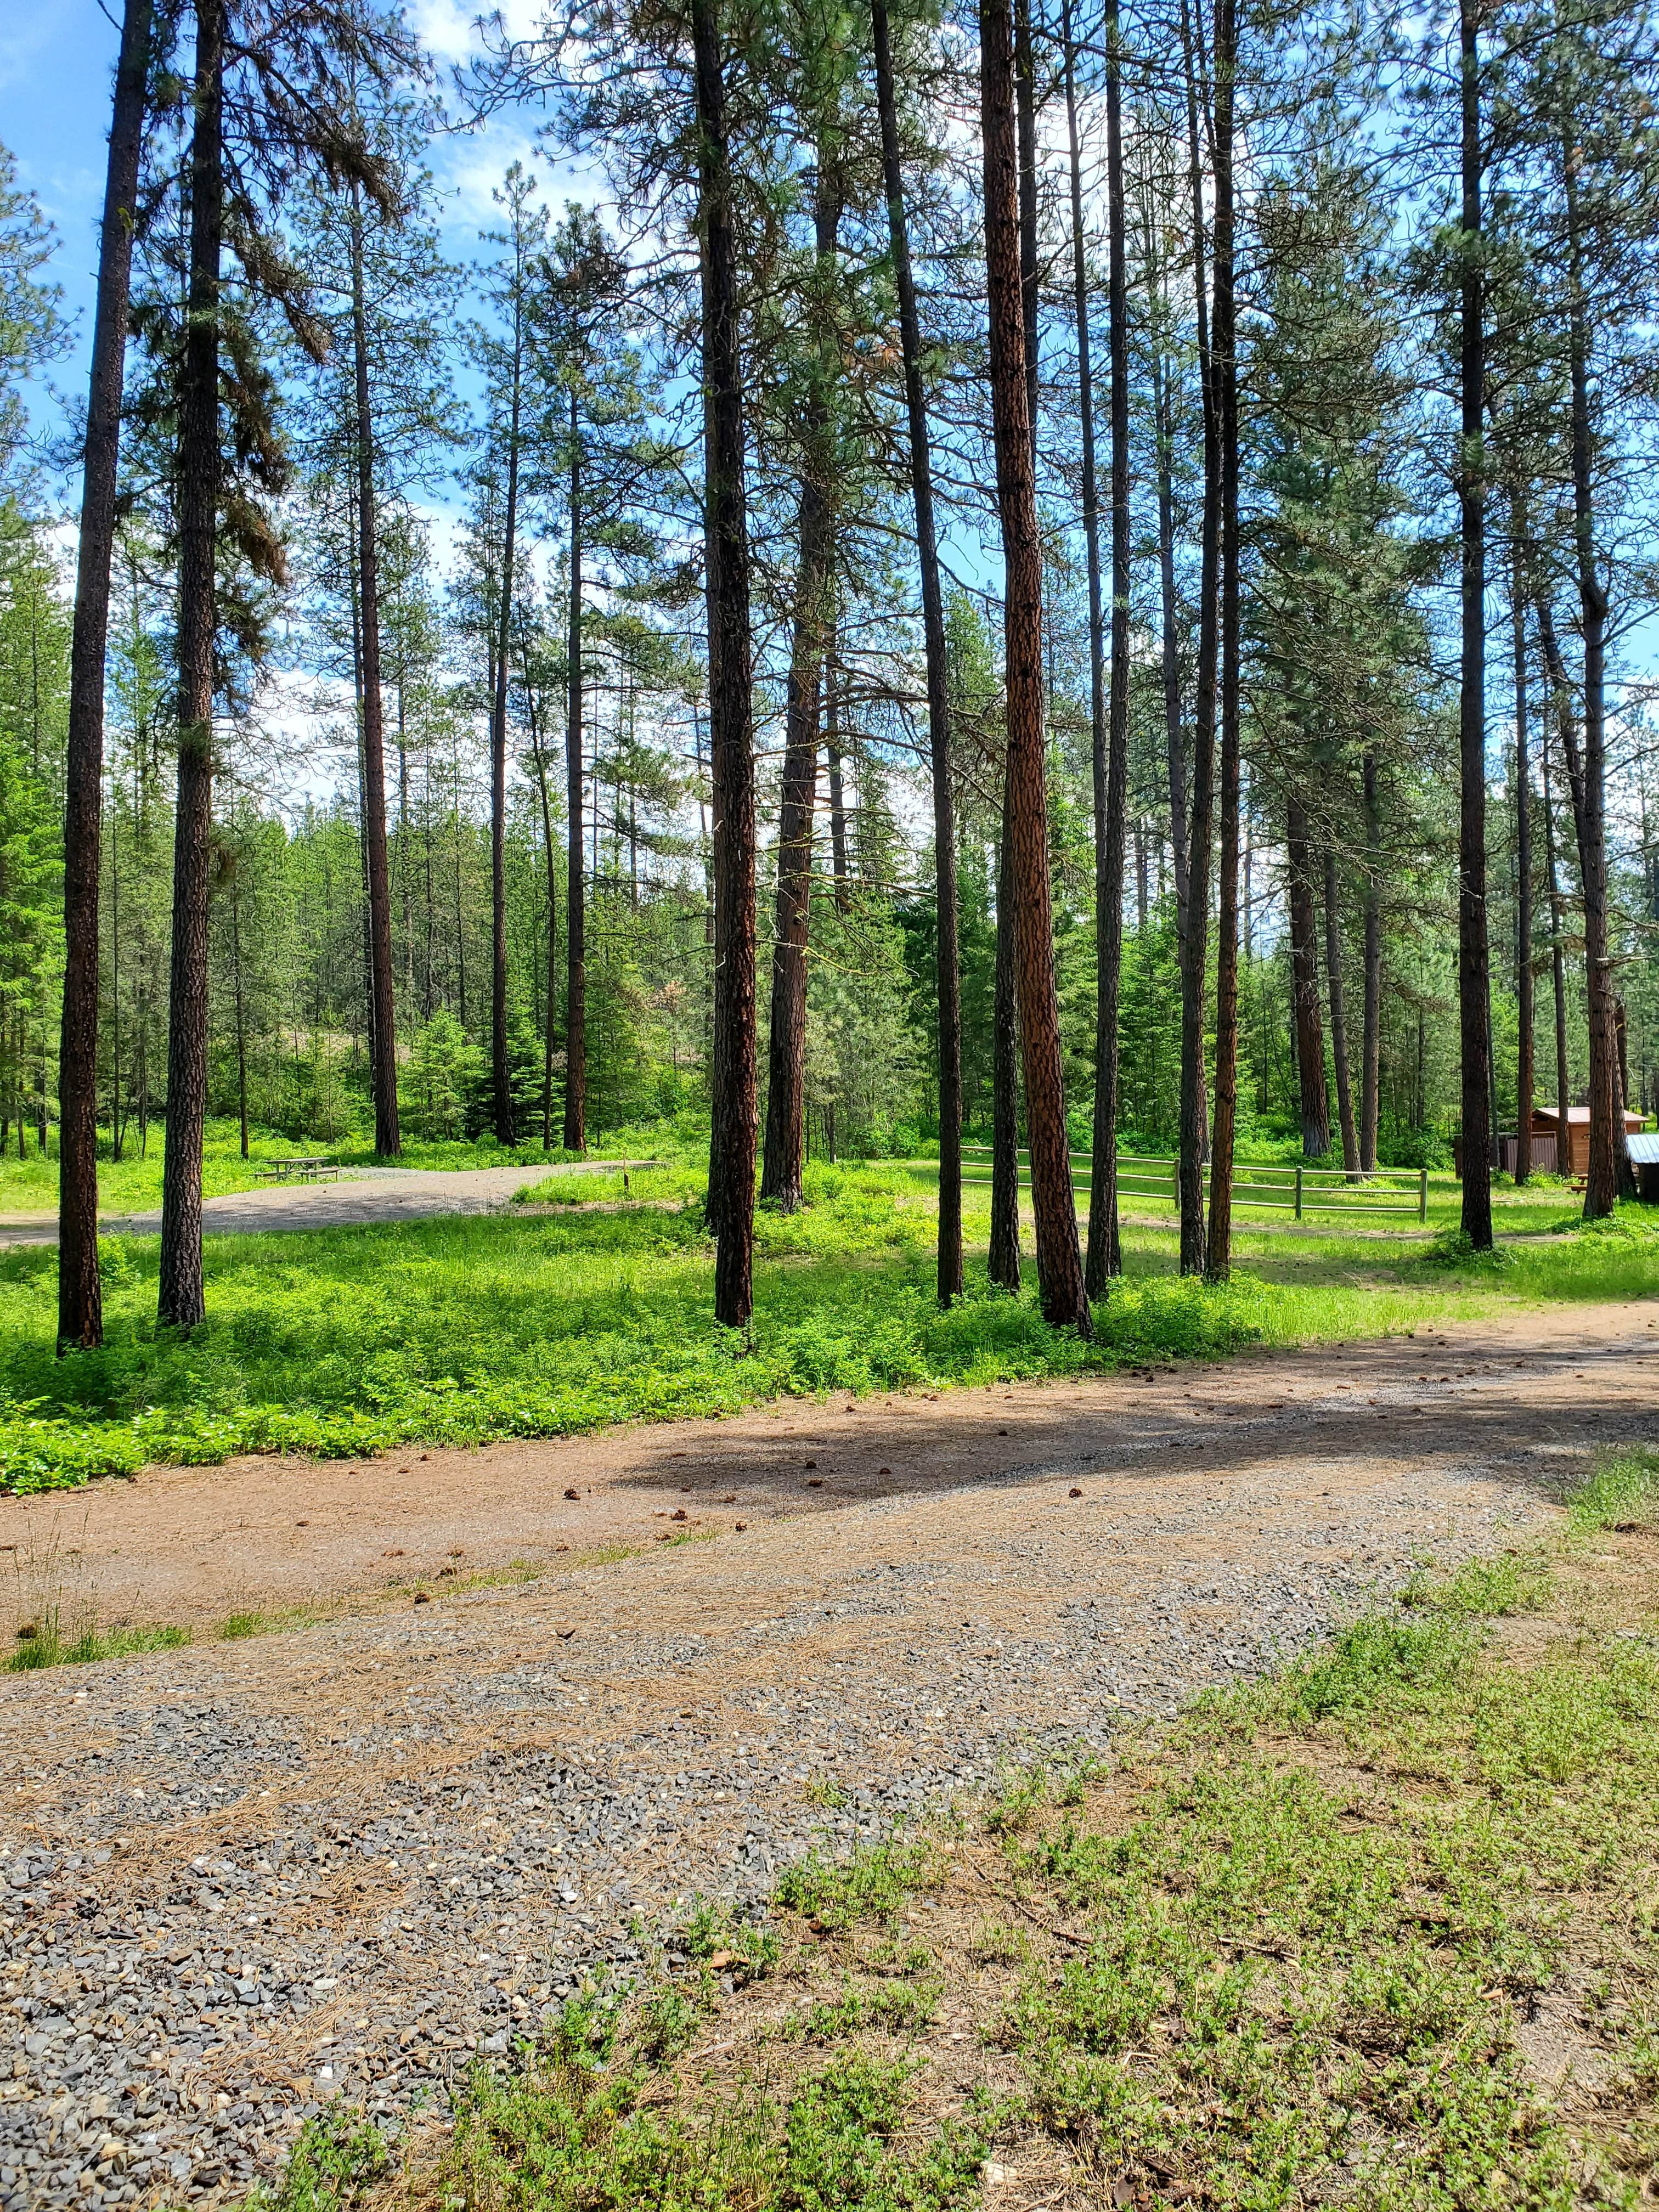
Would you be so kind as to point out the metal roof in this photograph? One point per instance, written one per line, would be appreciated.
(1644, 1148)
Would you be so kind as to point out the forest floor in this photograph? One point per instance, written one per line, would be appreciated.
(257, 1873)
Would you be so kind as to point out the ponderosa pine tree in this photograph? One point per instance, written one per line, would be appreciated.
(79, 1293)
(947, 975)
(1060, 1260)
(280, 96)
(732, 741)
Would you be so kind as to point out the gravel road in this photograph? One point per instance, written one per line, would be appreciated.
(245, 1877)
(360, 1195)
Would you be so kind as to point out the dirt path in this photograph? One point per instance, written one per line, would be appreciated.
(361, 1195)
(249, 1876)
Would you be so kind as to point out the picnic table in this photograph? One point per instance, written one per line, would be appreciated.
(302, 1168)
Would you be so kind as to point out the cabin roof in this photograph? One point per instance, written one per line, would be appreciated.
(1577, 1116)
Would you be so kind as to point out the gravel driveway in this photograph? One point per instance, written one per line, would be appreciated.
(248, 1876)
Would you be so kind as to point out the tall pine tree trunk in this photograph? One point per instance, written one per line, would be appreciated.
(1371, 1029)
(576, 902)
(387, 1140)
(179, 1300)
(1558, 959)
(80, 1296)
(1002, 1258)
(1060, 1260)
(1108, 719)
(1223, 374)
(948, 983)
(1004, 1255)
(1472, 1001)
(1305, 987)
(500, 1076)
(784, 1154)
(1338, 1018)
(1526, 1081)
(1610, 1177)
(1195, 944)
(732, 1152)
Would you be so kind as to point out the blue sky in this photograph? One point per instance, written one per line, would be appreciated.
(57, 57)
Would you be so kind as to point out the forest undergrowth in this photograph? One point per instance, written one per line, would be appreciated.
(1376, 1932)
(557, 1320)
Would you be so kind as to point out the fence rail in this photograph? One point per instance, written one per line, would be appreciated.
(1296, 1190)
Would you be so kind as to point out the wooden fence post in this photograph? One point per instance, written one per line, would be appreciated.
(1298, 1191)
(1423, 1195)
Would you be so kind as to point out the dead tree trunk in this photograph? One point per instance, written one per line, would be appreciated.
(80, 1294)
(1060, 1260)
(179, 1299)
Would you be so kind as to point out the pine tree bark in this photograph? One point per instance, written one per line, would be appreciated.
(783, 1158)
(1305, 987)
(1472, 956)
(1223, 371)
(1339, 1018)
(1059, 1257)
(1558, 958)
(1002, 1258)
(948, 981)
(1109, 718)
(1526, 1082)
(1194, 946)
(500, 1076)
(731, 1156)
(1003, 1262)
(1610, 1177)
(180, 1300)
(575, 899)
(79, 1293)
(1371, 1030)
(388, 1142)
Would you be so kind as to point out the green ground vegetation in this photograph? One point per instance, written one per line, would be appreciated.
(133, 1183)
(591, 1306)
(1377, 1933)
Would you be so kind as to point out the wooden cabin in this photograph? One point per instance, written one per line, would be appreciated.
(1574, 1155)
(1549, 1151)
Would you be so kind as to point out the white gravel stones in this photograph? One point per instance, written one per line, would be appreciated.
(223, 1914)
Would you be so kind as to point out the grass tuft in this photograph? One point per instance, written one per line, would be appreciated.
(1622, 1493)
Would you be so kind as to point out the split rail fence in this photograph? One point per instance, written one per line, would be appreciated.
(1155, 1183)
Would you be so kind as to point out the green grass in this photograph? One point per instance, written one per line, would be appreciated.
(133, 1185)
(1624, 1494)
(345, 1342)
(48, 1641)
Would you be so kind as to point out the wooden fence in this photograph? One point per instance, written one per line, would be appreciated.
(1153, 1181)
